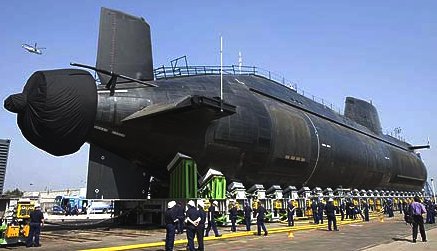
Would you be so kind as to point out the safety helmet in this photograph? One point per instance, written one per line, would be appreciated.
(215, 203)
(191, 203)
(330, 199)
(200, 203)
(171, 204)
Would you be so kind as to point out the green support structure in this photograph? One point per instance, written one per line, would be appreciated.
(214, 186)
(183, 177)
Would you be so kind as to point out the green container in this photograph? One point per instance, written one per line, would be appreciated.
(183, 177)
(215, 188)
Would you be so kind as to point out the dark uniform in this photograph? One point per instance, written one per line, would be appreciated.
(366, 212)
(330, 214)
(342, 209)
(171, 221)
(320, 208)
(290, 214)
(36, 221)
(193, 215)
(261, 215)
(211, 222)
(247, 215)
(233, 218)
(314, 210)
(200, 231)
(181, 217)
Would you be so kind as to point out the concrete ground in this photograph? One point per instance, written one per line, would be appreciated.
(375, 235)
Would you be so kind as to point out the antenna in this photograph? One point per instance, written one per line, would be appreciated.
(240, 61)
(221, 71)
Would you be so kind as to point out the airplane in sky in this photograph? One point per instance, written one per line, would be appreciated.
(33, 49)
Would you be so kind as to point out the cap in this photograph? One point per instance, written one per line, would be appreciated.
(171, 204)
(200, 203)
(215, 203)
(191, 203)
(330, 199)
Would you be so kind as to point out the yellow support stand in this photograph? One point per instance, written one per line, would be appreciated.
(290, 234)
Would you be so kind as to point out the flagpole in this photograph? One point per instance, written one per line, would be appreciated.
(221, 73)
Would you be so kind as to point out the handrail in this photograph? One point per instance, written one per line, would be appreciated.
(165, 72)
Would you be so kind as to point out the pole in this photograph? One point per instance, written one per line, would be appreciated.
(433, 189)
(221, 73)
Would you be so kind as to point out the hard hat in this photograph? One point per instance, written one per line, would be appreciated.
(215, 203)
(330, 199)
(200, 203)
(171, 204)
(191, 203)
(37, 205)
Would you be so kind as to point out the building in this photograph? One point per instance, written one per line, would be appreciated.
(4, 152)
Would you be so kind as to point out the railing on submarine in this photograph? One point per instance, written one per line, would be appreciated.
(167, 72)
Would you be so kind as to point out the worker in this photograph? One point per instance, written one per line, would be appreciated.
(366, 211)
(314, 211)
(200, 231)
(193, 220)
(36, 223)
(417, 209)
(233, 217)
(290, 213)
(260, 217)
(320, 208)
(342, 209)
(211, 220)
(247, 215)
(330, 214)
(171, 221)
(181, 217)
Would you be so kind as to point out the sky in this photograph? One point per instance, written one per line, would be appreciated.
(380, 51)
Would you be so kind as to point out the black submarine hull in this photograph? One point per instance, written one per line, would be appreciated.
(284, 139)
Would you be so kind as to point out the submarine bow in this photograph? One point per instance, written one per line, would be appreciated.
(56, 110)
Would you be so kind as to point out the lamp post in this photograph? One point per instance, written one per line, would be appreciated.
(433, 189)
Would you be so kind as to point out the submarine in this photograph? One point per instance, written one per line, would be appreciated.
(259, 131)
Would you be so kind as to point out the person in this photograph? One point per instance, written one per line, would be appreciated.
(181, 217)
(314, 211)
(211, 220)
(171, 221)
(330, 214)
(342, 209)
(260, 217)
(247, 215)
(417, 209)
(320, 208)
(192, 220)
(290, 213)
(200, 231)
(366, 211)
(233, 217)
(36, 223)
(68, 209)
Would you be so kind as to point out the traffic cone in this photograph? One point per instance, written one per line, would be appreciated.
(290, 234)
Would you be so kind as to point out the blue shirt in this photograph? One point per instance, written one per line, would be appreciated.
(417, 208)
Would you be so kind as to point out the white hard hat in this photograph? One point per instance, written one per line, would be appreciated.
(171, 204)
(191, 203)
(200, 203)
(215, 203)
(37, 205)
(330, 199)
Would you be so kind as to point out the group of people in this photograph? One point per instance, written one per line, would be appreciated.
(318, 210)
(194, 220)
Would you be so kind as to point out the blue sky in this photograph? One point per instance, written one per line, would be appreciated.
(384, 51)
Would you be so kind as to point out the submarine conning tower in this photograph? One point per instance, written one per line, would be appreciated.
(364, 113)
